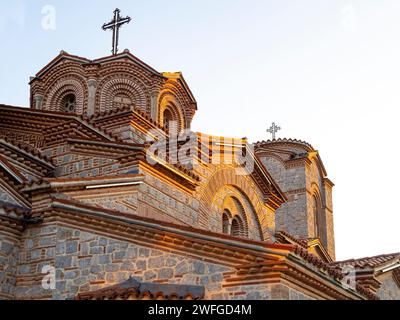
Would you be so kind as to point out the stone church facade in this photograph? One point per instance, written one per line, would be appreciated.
(95, 205)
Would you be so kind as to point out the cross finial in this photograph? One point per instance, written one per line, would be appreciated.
(114, 25)
(273, 130)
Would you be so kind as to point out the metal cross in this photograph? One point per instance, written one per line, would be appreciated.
(115, 24)
(273, 130)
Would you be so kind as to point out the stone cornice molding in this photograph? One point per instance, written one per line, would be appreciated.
(58, 184)
(285, 141)
(177, 238)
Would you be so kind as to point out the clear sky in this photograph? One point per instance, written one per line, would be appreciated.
(328, 72)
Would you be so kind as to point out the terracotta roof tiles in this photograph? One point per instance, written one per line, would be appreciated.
(283, 237)
(14, 211)
(110, 112)
(28, 149)
(138, 290)
(367, 262)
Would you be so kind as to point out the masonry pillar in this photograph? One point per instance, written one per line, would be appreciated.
(37, 101)
(92, 87)
(154, 107)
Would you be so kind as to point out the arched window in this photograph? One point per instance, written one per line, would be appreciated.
(225, 222)
(68, 103)
(316, 215)
(167, 118)
(236, 227)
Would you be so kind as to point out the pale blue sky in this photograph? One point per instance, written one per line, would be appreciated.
(328, 72)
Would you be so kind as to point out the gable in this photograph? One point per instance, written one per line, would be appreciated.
(85, 158)
(20, 164)
(63, 56)
(5, 196)
(35, 129)
(9, 194)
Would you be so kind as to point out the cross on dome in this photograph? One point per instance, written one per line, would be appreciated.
(114, 25)
(273, 130)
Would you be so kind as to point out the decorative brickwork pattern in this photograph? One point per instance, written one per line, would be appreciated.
(122, 84)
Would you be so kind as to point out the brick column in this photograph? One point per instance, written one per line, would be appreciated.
(37, 101)
(92, 87)
(154, 107)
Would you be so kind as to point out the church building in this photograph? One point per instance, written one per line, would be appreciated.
(106, 193)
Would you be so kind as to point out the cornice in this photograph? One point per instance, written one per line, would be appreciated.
(14, 189)
(63, 55)
(51, 123)
(127, 55)
(59, 184)
(181, 239)
(27, 152)
(283, 141)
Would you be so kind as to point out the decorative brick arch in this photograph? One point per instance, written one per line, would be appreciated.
(232, 203)
(167, 101)
(172, 88)
(62, 88)
(226, 180)
(117, 84)
(317, 167)
(318, 217)
(230, 198)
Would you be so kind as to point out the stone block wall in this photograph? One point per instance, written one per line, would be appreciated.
(37, 250)
(276, 291)
(125, 131)
(155, 194)
(84, 261)
(7, 197)
(9, 250)
(288, 178)
(299, 179)
(283, 292)
(292, 216)
(72, 164)
(390, 289)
